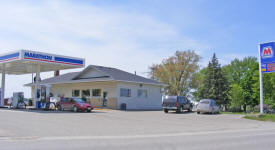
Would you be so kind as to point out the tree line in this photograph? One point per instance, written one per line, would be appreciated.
(235, 86)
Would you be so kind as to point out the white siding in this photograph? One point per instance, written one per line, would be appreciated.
(153, 100)
(66, 89)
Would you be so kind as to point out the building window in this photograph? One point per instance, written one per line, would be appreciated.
(86, 93)
(125, 92)
(96, 92)
(76, 93)
(142, 93)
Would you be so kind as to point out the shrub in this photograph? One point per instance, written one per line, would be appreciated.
(266, 107)
(234, 109)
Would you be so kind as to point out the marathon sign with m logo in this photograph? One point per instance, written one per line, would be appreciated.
(267, 57)
(267, 52)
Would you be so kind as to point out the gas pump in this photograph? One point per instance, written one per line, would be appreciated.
(37, 103)
(18, 100)
(44, 96)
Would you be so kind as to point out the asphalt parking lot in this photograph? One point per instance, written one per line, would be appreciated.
(105, 129)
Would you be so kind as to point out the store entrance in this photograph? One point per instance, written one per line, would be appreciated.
(105, 99)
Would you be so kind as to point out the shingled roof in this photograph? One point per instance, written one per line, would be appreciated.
(110, 74)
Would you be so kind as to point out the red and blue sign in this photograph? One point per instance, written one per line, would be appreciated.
(9, 57)
(267, 51)
(52, 59)
(41, 57)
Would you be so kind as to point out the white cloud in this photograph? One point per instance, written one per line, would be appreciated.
(104, 36)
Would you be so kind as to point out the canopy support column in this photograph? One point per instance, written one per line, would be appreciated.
(37, 86)
(3, 86)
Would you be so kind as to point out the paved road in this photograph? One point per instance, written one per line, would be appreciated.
(28, 130)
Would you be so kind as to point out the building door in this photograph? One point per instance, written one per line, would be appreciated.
(105, 99)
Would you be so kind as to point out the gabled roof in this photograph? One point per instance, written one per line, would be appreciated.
(108, 74)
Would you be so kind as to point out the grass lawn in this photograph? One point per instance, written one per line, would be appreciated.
(265, 117)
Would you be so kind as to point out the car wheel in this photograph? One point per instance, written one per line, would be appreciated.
(198, 112)
(75, 109)
(166, 110)
(88, 110)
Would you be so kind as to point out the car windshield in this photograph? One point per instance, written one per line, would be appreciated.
(78, 100)
(204, 101)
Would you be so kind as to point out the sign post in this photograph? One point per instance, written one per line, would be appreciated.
(266, 65)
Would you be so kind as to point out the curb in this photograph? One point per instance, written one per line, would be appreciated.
(104, 109)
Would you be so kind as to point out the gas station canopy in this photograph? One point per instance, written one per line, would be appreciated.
(24, 62)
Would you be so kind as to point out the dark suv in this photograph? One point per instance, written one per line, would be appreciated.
(176, 103)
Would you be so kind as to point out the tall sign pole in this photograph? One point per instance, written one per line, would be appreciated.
(266, 65)
(261, 82)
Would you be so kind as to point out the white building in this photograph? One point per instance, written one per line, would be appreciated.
(107, 87)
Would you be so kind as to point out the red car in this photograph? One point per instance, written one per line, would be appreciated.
(74, 104)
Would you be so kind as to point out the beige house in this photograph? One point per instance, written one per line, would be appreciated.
(107, 87)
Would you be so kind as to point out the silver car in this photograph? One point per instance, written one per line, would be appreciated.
(207, 106)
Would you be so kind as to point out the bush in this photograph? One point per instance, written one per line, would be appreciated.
(266, 108)
(234, 109)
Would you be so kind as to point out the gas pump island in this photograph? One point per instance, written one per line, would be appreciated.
(27, 62)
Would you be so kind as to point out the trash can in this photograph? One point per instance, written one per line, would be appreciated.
(6, 102)
(123, 106)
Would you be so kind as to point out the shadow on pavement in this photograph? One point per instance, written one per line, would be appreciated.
(184, 112)
(209, 114)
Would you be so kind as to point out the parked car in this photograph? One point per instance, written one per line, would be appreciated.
(207, 106)
(74, 104)
(176, 103)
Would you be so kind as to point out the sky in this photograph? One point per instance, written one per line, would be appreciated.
(133, 34)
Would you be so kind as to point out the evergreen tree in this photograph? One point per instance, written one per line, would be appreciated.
(215, 84)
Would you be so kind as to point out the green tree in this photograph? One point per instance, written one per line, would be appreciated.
(197, 83)
(246, 84)
(236, 97)
(215, 84)
(177, 72)
(237, 69)
(242, 73)
(268, 88)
